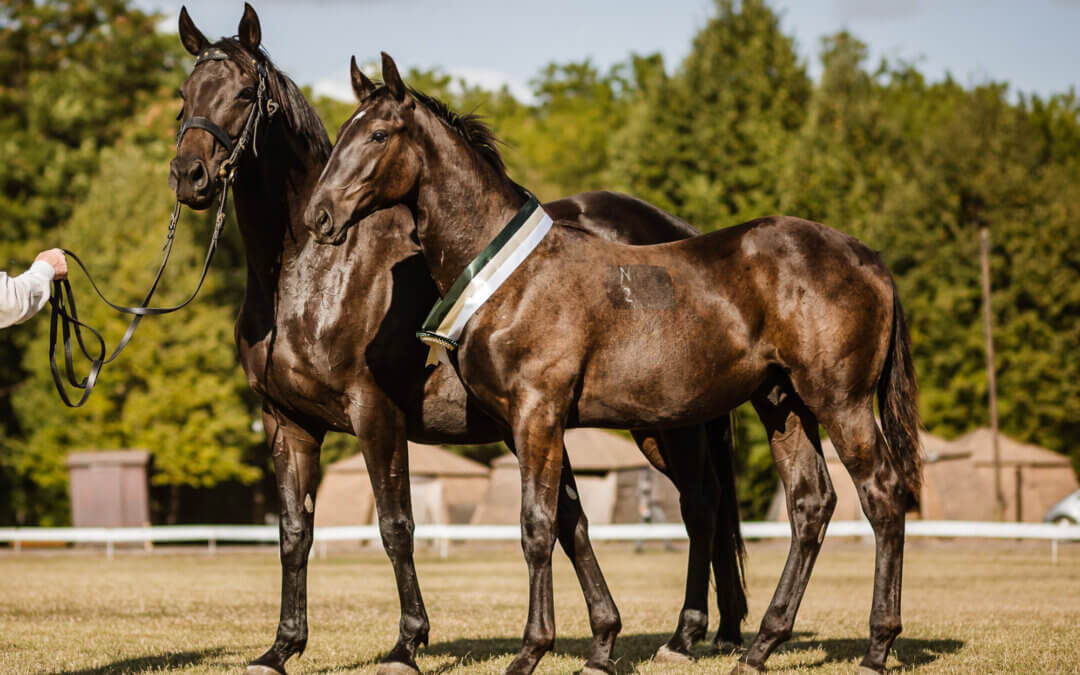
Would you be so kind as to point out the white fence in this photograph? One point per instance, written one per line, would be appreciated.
(443, 534)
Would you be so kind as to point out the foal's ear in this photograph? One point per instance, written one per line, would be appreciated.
(190, 36)
(391, 77)
(250, 32)
(361, 85)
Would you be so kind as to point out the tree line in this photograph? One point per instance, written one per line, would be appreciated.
(737, 130)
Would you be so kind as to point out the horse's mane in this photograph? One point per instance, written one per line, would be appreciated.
(470, 126)
(299, 115)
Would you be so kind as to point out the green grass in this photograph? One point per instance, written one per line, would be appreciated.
(974, 607)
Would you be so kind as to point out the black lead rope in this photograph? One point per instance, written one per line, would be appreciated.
(65, 315)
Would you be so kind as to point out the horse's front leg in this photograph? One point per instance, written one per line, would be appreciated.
(380, 428)
(538, 433)
(295, 449)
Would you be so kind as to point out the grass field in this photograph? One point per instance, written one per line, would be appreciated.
(973, 607)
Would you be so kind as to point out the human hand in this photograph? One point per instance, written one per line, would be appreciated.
(55, 258)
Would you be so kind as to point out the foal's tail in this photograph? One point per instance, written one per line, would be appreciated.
(898, 393)
(729, 551)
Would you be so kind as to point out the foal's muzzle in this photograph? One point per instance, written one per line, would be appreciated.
(321, 223)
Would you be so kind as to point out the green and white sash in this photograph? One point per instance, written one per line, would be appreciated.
(481, 278)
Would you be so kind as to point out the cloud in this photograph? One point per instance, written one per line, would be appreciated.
(494, 80)
(339, 88)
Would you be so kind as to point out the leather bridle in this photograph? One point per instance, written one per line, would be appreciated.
(65, 316)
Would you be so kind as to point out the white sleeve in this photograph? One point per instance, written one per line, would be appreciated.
(26, 294)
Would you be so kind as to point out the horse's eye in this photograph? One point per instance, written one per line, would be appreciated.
(378, 136)
(247, 94)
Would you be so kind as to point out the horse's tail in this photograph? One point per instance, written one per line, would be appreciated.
(898, 393)
(728, 548)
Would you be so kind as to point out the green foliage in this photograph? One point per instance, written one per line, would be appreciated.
(176, 390)
(707, 142)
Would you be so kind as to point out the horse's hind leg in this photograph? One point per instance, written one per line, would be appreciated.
(796, 449)
(296, 470)
(573, 533)
(728, 548)
(884, 496)
(687, 455)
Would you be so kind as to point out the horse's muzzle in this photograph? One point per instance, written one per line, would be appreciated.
(190, 180)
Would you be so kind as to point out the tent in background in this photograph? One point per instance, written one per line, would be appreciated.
(445, 489)
(958, 480)
(615, 482)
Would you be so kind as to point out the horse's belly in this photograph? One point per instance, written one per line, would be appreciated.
(667, 368)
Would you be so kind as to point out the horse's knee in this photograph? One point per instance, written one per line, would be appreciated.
(296, 538)
(396, 532)
(537, 533)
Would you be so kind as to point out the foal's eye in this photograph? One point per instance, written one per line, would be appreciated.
(378, 136)
(180, 114)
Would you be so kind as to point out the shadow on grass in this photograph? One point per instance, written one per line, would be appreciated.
(158, 662)
(910, 652)
(633, 650)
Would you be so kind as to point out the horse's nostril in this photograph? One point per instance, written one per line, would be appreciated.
(323, 221)
(197, 175)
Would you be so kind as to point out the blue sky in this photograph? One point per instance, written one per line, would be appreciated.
(1034, 45)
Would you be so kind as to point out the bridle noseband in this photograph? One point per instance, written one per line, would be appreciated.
(64, 314)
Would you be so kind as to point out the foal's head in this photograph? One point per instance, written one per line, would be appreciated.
(382, 151)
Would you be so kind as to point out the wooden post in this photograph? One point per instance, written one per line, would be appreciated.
(984, 256)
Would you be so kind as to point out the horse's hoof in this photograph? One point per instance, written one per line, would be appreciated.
(667, 655)
(726, 648)
(396, 668)
(259, 669)
(745, 669)
(864, 670)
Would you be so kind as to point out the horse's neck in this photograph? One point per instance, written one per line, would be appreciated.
(270, 198)
(455, 225)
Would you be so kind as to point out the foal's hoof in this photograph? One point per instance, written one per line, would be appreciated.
(396, 668)
(589, 670)
(864, 670)
(744, 669)
(667, 655)
(259, 669)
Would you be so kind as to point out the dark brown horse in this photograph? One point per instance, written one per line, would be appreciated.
(801, 320)
(325, 335)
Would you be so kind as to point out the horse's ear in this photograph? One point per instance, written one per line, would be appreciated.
(391, 77)
(250, 31)
(190, 36)
(361, 85)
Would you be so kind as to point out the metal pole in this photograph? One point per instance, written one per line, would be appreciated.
(984, 255)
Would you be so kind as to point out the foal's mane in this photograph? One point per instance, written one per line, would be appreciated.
(299, 115)
(470, 126)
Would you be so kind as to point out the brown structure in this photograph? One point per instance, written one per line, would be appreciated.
(958, 480)
(445, 489)
(611, 475)
(109, 489)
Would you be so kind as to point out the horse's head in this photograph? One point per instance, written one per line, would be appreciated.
(220, 97)
(376, 161)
